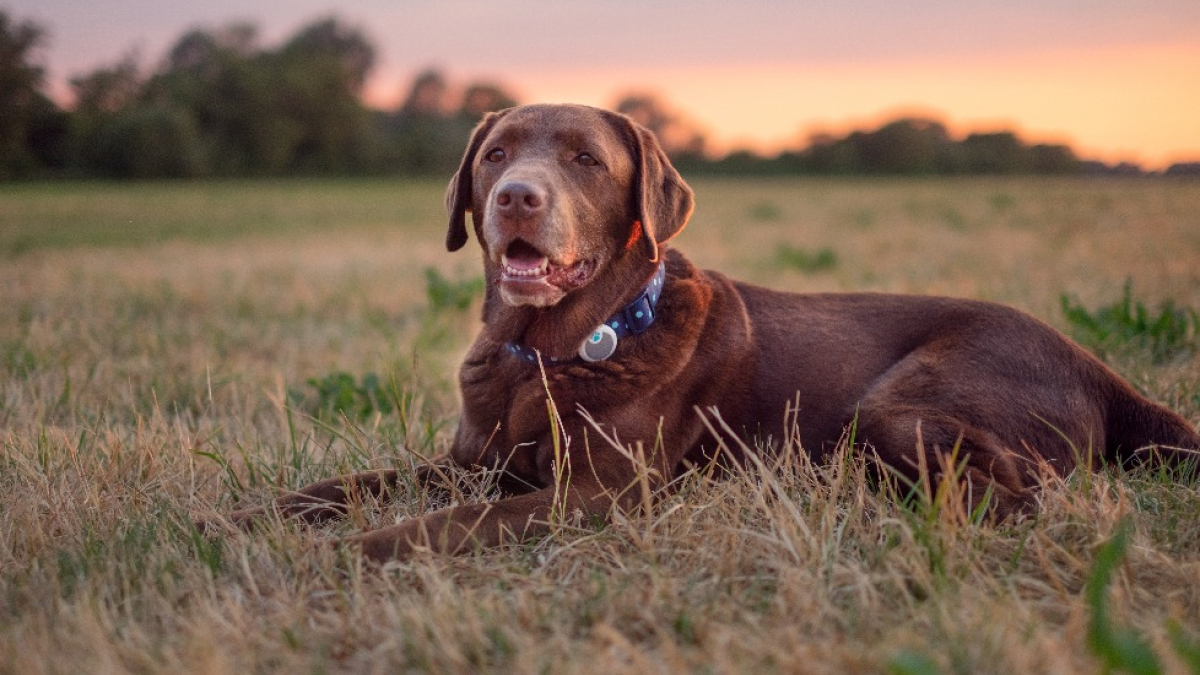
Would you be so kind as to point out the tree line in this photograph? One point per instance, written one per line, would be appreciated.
(220, 104)
(913, 146)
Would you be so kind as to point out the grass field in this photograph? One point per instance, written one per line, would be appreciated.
(171, 349)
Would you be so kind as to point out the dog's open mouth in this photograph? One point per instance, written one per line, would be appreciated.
(528, 276)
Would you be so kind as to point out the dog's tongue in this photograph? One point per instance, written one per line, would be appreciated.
(521, 257)
(524, 261)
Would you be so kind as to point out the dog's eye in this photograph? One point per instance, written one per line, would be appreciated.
(587, 160)
(496, 155)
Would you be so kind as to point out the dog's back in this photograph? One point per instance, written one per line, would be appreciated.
(962, 369)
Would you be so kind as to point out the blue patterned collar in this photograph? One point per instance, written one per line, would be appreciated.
(634, 319)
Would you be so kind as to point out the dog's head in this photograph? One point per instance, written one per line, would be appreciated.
(560, 193)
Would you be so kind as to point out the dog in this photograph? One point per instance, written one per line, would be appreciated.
(587, 307)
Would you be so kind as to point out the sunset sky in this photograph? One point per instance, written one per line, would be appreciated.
(1116, 79)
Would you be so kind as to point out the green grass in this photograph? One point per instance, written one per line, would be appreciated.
(804, 261)
(176, 349)
(1170, 332)
(40, 216)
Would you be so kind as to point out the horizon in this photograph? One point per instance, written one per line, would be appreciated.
(1114, 85)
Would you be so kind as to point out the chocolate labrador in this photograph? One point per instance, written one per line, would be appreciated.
(587, 308)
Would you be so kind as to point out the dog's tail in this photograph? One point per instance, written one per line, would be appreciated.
(1142, 432)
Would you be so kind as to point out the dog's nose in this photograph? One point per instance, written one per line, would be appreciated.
(518, 199)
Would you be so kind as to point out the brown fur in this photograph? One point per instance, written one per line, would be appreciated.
(914, 373)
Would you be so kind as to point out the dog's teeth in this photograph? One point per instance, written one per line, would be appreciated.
(541, 270)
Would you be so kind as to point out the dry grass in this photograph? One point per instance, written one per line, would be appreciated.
(155, 348)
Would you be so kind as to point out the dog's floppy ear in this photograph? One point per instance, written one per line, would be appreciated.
(664, 202)
(459, 192)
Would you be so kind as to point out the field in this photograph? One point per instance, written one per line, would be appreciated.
(177, 349)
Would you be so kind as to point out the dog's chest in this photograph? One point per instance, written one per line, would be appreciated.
(518, 412)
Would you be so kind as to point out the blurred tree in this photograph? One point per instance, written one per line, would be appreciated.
(905, 146)
(347, 48)
(101, 97)
(678, 137)
(920, 146)
(48, 137)
(108, 90)
(828, 154)
(422, 135)
(427, 133)
(482, 98)
(426, 96)
(995, 153)
(1184, 169)
(255, 111)
(119, 130)
(148, 142)
(32, 129)
(199, 51)
(230, 88)
(323, 70)
(1053, 159)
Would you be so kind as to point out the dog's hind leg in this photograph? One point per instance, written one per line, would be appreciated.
(931, 451)
(1141, 432)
